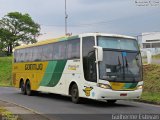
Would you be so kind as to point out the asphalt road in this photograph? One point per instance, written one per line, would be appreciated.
(60, 107)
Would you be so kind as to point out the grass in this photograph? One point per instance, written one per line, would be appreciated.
(150, 97)
(2, 110)
(151, 84)
(156, 56)
(151, 74)
(5, 71)
(6, 115)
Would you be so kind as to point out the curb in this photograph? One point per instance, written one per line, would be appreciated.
(26, 108)
(149, 102)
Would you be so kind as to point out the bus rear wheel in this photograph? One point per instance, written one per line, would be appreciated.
(22, 87)
(75, 94)
(28, 88)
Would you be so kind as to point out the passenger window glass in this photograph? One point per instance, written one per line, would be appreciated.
(29, 56)
(15, 56)
(47, 52)
(73, 49)
(22, 55)
(36, 54)
(59, 51)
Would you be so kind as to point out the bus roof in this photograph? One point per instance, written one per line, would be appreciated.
(106, 34)
(47, 42)
(63, 38)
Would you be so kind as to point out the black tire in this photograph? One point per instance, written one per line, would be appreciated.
(22, 87)
(75, 94)
(28, 88)
(111, 102)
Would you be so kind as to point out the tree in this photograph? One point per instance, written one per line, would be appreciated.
(16, 27)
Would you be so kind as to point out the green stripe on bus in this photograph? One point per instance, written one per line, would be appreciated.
(53, 73)
(130, 85)
(133, 85)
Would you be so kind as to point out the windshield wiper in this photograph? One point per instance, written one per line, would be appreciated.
(119, 64)
(126, 63)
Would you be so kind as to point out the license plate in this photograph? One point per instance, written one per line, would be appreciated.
(123, 94)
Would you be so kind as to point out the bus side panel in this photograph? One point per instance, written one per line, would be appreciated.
(52, 79)
(32, 71)
(67, 71)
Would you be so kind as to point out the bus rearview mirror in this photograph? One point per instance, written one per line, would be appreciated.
(99, 53)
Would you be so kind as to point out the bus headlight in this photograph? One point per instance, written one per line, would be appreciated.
(139, 87)
(105, 86)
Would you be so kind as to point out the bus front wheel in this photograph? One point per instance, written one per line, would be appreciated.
(75, 94)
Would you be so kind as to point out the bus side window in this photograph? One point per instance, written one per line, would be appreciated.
(30, 57)
(45, 52)
(56, 51)
(89, 65)
(26, 59)
(22, 55)
(73, 49)
(15, 56)
(59, 50)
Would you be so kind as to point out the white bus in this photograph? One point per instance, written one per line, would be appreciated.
(96, 66)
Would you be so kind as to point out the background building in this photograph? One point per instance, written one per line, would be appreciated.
(150, 41)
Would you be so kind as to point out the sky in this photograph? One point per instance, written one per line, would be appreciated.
(128, 17)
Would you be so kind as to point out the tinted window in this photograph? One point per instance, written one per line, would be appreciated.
(89, 59)
(59, 50)
(15, 56)
(73, 49)
(28, 54)
(54, 51)
(47, 52)
(88, 43)
(120, 66)
(21, 55)
(117, 43)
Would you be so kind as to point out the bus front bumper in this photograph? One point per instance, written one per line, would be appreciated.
(107, 94)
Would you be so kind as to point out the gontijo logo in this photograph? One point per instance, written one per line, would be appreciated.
(34, 66)
(73, 67)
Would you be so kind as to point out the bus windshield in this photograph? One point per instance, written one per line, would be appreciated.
(117, 43)
(121, 60)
